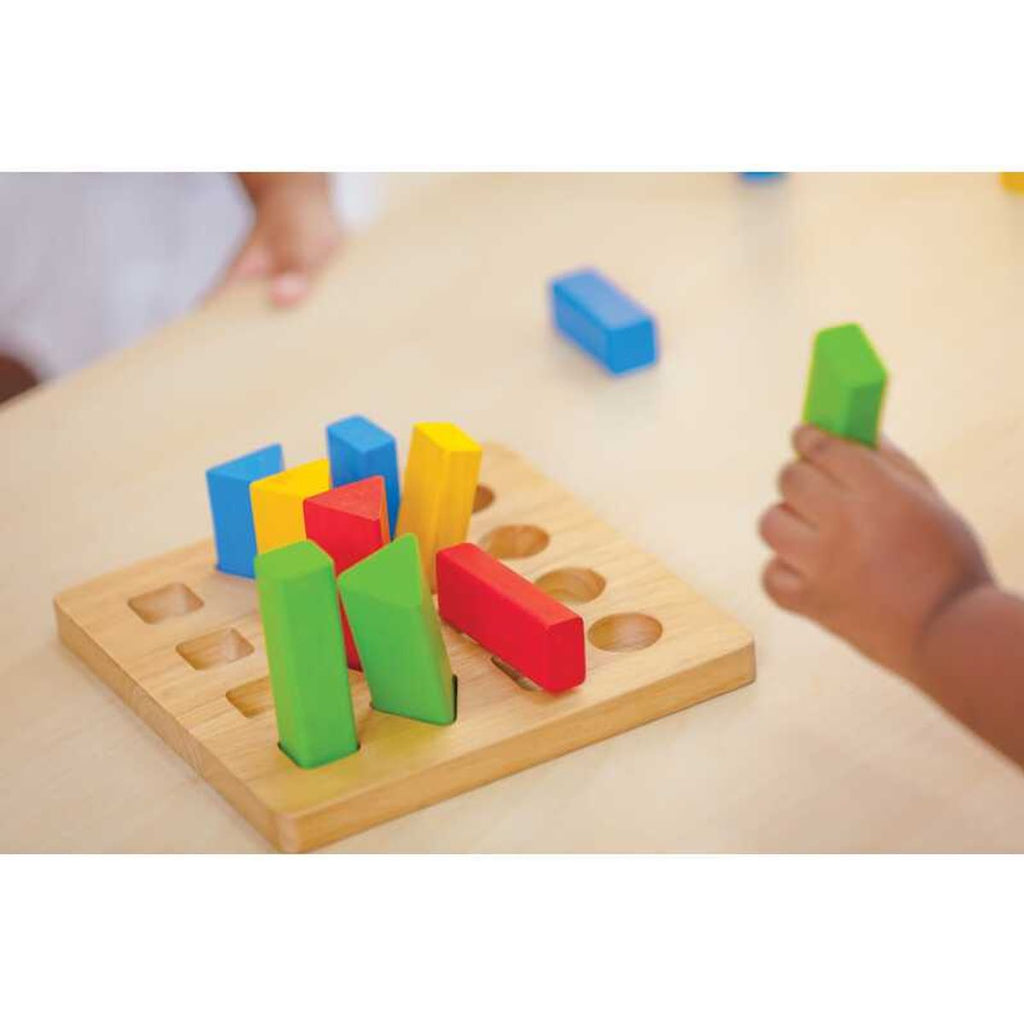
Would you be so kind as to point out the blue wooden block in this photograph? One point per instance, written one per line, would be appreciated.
(605, 322)
(359, 449)
(231, 506)
(761, 175)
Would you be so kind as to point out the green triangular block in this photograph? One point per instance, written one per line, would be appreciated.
(398, 635)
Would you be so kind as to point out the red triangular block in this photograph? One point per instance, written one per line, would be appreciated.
(349, 523)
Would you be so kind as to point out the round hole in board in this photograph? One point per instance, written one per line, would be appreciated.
(574, 586)
(518, 541)
(483, 498)
(628, 631)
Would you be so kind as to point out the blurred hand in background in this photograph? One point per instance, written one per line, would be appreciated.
(91, 262)
(294, 234)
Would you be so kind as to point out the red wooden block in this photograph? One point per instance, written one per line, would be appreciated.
(349, 523)
(514, 620)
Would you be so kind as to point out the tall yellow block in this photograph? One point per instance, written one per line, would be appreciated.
(1013, 180)
(437, 495)
(277, 503)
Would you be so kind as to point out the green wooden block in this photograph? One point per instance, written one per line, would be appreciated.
(846, 385)
(398, 635)
(306, 654)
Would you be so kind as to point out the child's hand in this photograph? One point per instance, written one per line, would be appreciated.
(866, 547)
(294, 234)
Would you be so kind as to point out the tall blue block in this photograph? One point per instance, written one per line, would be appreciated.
(231, 506)
(359, 449)
(605, 322)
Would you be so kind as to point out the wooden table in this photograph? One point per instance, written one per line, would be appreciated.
(439, 312)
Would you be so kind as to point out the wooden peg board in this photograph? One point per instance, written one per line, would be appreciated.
(182, 645)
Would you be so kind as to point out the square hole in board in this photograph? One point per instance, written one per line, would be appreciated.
(220, 648)
(252, 699)
(165, 603)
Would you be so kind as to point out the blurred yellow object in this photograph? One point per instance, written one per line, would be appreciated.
(1013, 180)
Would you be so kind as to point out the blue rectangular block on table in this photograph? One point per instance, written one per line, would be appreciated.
(231, 506)
(359, 449)
(605, 322)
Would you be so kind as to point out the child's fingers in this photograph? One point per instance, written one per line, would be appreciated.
(253, 260)
(288, 288)
(851, 464)
(784, 585)
(300, 253)
(294, 235)
(901, 461)
(809, 492)
(789, 536)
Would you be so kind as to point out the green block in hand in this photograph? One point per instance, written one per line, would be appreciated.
(398, 635)
(306, 654)
(846, 385)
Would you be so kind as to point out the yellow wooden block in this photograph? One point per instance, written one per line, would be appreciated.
(277, 503)
(438, 489)
(1013, 180)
